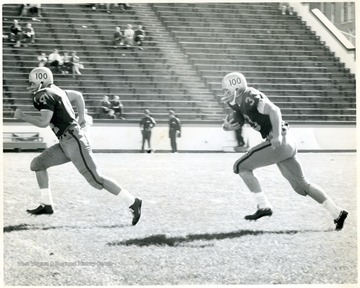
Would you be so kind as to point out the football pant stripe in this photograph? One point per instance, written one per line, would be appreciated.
(84, 159)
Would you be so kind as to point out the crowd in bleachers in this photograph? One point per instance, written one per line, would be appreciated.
(129, 37)
(21, 36)
(68, 63)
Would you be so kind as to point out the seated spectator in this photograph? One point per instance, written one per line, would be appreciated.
(77, 65)
(286, 9)
(105, 108)
(32, 10)
(55, 61)
(129, 36)
(16, 33)
(67, 67)
(117, 106)
(139, 36)
(118, 37)
(42, 59)
(28, 34)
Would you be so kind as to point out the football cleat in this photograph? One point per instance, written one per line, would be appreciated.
(339, 222)
(136, 211)
(259, 213)
(42, 209)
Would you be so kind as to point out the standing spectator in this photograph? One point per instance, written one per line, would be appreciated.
(105, 107)
(118, 38)
(117, 106)
(174, 130)
(28, 34)
(146, 125)
(129, 36)
(67, 63)
(42, 59)
(55, 61)
(76, 64)
(16, 33)
(139, 36)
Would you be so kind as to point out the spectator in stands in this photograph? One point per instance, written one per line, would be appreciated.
(129, 36)
(32, 10)
(28, 35)
(139, 36)
(42, 59)
(105, 108)
(146, 125)
(117, 106)
(55, 61)
(16, 33)
(286, 9)
(67, 66)
(77, 65)
(174, 130)
(118, 38)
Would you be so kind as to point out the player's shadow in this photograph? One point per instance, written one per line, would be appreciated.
(163, 240)
(24, 227)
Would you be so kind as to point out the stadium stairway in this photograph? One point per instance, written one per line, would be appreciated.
(188, 49)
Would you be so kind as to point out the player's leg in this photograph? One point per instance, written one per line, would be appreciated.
(149, 140)
(292, 171)
(79, 151)
(260, 155)
(50, 157)
(143, 141)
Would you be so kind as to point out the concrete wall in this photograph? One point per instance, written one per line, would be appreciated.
(123, 137)
(346, 56)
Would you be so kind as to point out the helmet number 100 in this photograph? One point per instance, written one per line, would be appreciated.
(234, 81)
(41, 76)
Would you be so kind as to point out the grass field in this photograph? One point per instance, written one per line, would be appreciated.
(192, 230)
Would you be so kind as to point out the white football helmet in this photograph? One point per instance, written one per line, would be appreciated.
(40, 77)
(232, 85)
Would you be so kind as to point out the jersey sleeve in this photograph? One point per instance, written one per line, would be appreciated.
(261, 101)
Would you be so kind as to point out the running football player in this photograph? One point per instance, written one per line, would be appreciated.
(55, 106)
(278, 148)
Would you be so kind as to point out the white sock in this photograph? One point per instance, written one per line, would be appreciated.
(46, 196)
(127, 197)
(333, 209)
(261, 200)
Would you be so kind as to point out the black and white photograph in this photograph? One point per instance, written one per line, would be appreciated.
(179, 143)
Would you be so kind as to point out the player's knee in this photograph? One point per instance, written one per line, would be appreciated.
(36, 165)
(96, 183)
(94, 180)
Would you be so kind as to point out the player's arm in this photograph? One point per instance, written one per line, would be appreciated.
(76, 98)
(274, 113)
(41, 121)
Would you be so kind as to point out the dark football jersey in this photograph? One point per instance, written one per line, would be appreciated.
(55, 99)
(250, 99)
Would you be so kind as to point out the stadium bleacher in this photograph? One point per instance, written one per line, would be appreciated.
(188, 49)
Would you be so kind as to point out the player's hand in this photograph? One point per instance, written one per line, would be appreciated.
(276, 141)
(18, 113)
(230, 125)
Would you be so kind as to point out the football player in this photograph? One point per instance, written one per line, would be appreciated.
(55, 106)
(278, 148)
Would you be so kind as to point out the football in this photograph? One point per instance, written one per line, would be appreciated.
(236, 116)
